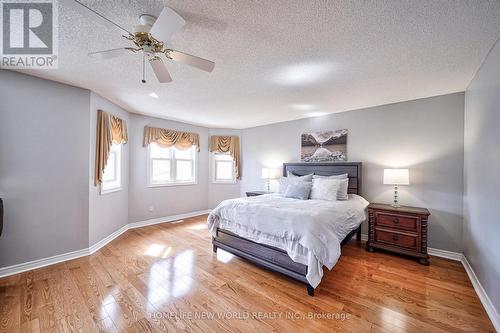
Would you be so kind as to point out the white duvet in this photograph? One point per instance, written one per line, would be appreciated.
(309, 230)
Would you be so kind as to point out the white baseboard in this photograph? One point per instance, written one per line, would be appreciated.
(456, 256)
(483, 296)
(167, 219)
(97, 246)
(30, 265)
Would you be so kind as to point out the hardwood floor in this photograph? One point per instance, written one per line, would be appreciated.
(166, 278)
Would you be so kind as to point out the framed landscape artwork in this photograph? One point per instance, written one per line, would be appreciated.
(327, 146)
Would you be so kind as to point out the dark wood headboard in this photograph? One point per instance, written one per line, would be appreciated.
(353, 169)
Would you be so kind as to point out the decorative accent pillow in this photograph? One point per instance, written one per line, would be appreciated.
(307, 178)
(285, 181)
(299, 190)
(324, 189)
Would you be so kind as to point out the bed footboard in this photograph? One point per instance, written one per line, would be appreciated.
(267, 256)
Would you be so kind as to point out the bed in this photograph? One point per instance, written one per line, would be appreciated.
(277, 256)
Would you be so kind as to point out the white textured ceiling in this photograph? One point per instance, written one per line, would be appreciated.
(279, 60)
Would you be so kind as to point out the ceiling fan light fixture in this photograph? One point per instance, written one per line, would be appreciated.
(150, 37)
(141, 28)
(147, 19)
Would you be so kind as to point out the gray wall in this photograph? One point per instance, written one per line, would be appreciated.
(424, 135)
(52, 206)
(168, 200)
(482, 177)
(107, 212)
(218, 192)
(44, 168)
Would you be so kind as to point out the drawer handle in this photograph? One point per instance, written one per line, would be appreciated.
(394, 237)
(395, 221)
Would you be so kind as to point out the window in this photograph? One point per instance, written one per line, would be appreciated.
(171, 166)
(223, 168)
(111, 178)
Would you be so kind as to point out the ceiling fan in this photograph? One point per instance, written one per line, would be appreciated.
(149, 37)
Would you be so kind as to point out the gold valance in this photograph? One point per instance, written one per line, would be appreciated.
(118, 129)
(167, 138)
(228, 145)
(109, 129)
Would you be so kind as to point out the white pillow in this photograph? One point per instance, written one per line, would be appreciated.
(343, 188)
(324, 189)
(285, 181)
(343, 184)
(342, 176)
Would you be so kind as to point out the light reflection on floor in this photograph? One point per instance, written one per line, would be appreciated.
(391, 317)
(158, 250)
(171, 278)
(198, 227)
(224, 256)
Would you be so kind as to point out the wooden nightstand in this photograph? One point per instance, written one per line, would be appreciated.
(402, 230)
(255, 193)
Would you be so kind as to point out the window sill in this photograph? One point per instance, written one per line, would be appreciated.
(111, 190)
(173, 184)
(227, 182)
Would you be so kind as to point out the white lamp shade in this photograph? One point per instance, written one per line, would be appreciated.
(396, 176)
(269, 173)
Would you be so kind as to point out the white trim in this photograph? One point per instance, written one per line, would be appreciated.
(224, 182)
(173, 168)
(213, 167)
(456, 256)
(111, 190)
(172, 184)
(116, 185)
(481, 293)
(39, 263)
(97, 246)
(27, 266)
(166, 219)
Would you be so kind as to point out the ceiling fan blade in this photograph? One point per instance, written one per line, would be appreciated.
(94, 16)
(191, 60)
(160, 70)
(112, 53)
(168, 23)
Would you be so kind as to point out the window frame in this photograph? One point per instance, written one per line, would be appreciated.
(118, 170)
(214, 170)
(173, 168)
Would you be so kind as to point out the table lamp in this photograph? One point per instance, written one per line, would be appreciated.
(396, 177)
(268, 174)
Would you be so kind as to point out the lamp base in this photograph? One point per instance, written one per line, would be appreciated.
(395, 204)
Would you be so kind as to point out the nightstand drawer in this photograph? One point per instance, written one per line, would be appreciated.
(395, 238)
(397, 221)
